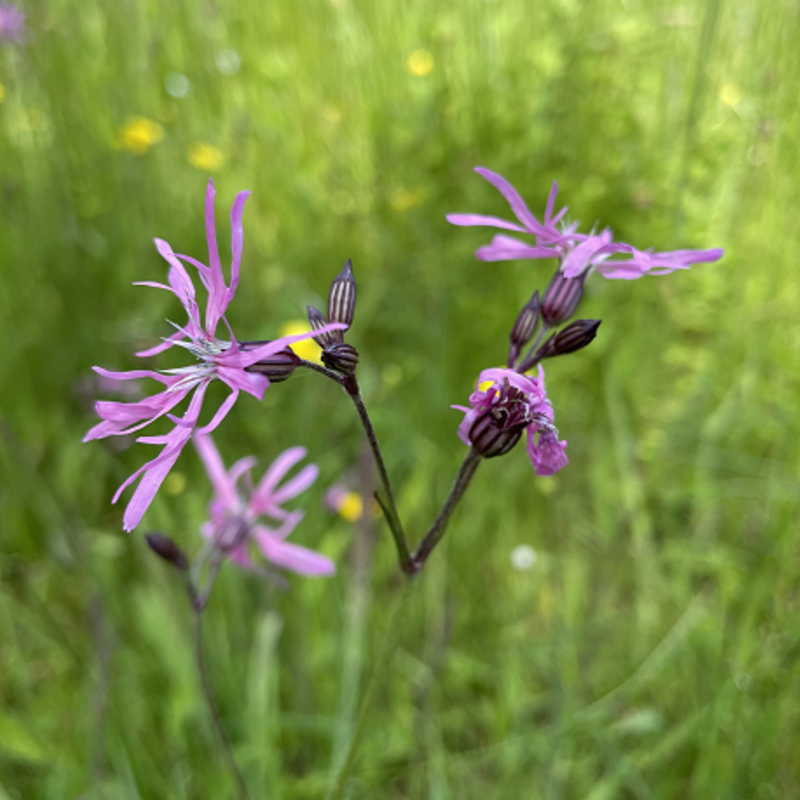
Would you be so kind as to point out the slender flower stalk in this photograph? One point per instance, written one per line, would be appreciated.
(578, 253)
(211, 704)
(385, 496)
(437, 530)
(217, 359)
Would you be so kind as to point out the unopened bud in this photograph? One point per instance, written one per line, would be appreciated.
(317, 320)
(489, 435)
(561, 298)
(163, 546)
(524, 328)
(342, 298)
(340, 356)
(574, 337)
(277, 367)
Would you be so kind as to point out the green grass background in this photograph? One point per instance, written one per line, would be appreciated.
(652, 651)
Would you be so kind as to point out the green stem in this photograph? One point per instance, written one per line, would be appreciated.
(388, 646)
(437, 530)
(213, 710)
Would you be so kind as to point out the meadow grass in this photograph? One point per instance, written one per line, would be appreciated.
(652, 650)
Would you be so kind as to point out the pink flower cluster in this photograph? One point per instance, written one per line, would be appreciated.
(579, 253)
(216, 359)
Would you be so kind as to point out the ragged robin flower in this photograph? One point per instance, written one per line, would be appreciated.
(578, 253)
(215, 359)
(238, 506)
(504, 404)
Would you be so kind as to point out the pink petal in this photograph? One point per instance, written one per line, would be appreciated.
(237, 240)
(296, 485)
(551, 203)
(522, 382)
(514, 200)
(117, 416)
(506, 248)
(576, 261)
(240, 380)
(135, 374)
(165, 345)
(479, 219)
(216, 282)
(156, 470)
(183, 287)
(262, 497)
(224, 487)
(241, 467)
(291, 556)
(222, 412)
(547, 454)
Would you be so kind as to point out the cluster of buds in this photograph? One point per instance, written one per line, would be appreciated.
(559, 303)
(336, 353)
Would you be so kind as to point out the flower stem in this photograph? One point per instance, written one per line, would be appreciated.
(208, 696)
(388, 646)
(384, 495)
(328, 373)
(437, 530)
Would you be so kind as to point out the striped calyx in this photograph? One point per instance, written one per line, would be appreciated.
(574, 337)
(524, 328)
(342, 298)
(561, 298)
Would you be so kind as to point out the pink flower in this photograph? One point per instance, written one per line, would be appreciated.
(234, 514)
(578, 253)
(504, 404)
(12, 22)
(217, 359)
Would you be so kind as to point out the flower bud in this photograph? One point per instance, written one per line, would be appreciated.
(277, 367)
(317, 320)
(340, 356)
(342, 298)
(490, 438)
(561, 298)
(524, 328)
(574, 337)
(165, 547)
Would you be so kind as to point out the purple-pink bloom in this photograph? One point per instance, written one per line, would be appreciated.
(12, 22)
(513, 401)
(578, 253)
(234, 513)
(217, 359)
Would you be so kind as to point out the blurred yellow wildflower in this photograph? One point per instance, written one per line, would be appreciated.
(404, 199)
(139, 134)
(175, 483)
(352, 507)
(730, 94)
(204, 156)
(420, 63)
(2, 92)
(308, 348)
